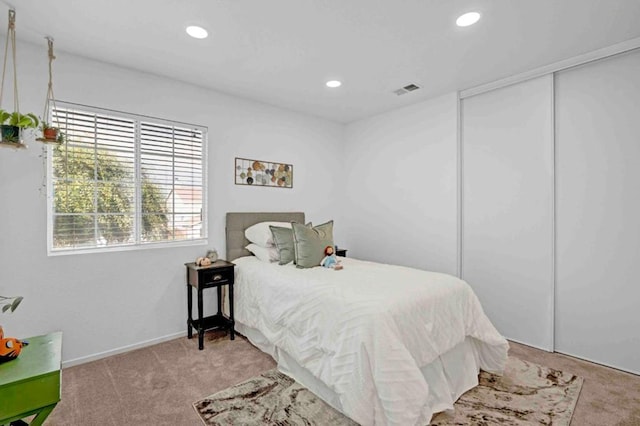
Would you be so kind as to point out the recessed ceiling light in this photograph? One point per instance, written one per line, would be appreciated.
(334, 83)
(467, 19)
(197, 32)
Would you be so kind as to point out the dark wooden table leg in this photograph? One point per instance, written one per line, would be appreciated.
(200, 323)
(189, 308)
(233, 322)
(219, 300)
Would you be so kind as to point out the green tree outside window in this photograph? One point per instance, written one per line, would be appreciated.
(89, 182)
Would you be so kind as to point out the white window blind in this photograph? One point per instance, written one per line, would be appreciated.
(122, 180)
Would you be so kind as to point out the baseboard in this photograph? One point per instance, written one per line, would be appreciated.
(100, 355)
(529, 344)
(580, 358)
(615, 367)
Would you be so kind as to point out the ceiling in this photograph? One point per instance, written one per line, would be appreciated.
(281, 52)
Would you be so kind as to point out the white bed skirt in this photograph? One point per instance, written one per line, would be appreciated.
(448, 377)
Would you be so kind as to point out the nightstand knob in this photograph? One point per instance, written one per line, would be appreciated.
(217, 277)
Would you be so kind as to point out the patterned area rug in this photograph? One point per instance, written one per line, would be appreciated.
(527, 394)
(271, 398)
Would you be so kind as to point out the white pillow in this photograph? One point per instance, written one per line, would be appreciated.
(265, 254)
(260, 234)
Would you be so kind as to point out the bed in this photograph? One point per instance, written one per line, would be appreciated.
(382, 344)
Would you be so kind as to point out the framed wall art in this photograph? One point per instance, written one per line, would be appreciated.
(263, 173)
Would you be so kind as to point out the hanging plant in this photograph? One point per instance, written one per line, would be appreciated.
(12, 123)
(50, 133)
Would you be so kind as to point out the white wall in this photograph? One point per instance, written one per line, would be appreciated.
(400, 194)
(108, 301)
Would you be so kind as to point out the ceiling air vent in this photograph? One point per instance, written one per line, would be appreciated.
(406, 89)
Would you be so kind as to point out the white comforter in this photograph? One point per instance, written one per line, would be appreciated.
(366, 330)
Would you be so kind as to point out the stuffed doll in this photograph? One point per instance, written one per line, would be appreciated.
(10, 347)
(203, 261)
(329, 260)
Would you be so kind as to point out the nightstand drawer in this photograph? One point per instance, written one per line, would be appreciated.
(218, 273)
(216, 276)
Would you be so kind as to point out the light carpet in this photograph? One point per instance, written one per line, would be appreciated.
(527, 394)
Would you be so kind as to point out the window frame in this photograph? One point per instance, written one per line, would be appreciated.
(138, 244)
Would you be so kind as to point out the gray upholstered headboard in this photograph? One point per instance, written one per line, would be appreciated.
(238, 222)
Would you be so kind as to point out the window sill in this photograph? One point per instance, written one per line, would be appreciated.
(145, 246)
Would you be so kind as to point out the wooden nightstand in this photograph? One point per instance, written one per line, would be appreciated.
(341, 252)
(218, 274)
(30, 384)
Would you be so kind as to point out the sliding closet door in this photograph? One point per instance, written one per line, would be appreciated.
(598, 212)
(507, 225)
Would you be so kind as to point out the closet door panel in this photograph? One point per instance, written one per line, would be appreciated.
(507, 210)
(598, 212)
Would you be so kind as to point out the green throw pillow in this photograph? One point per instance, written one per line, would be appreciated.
(283, 238)
(310, 243)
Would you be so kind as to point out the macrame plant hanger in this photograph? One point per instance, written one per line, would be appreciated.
(10, 134)
(50, 134)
